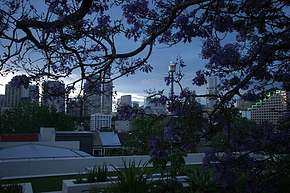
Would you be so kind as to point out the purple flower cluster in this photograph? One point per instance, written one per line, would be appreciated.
(156, 150)
(134, 9)
(168, 135)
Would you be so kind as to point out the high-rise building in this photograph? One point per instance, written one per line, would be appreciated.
(2, 101)
(98, 97)
(107, 98)
(74, 107)
(212, 90)
(272, 109)
(53, 95)
(126, 100)
(33, 93)
(16, 94)
(135, 104)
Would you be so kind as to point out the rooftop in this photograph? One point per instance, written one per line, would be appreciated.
(38, 151)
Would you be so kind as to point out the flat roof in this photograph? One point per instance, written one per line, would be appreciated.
(38, 151)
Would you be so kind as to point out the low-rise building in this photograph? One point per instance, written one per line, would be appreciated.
(99, 121)
(152, 106)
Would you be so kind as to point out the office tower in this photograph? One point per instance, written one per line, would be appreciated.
(74, 107)
(14, 94)
(2, 101)
(135, 104)
(272, 109)
(33, 93)
(98, 96)
(53, 95)
(212, 90)
(107, 98)
(126, 100)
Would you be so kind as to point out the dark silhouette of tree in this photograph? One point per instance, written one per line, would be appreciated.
(29, 117)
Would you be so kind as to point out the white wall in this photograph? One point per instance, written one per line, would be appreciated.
(66, 166)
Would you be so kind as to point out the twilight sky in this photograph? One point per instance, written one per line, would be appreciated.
(160, 58)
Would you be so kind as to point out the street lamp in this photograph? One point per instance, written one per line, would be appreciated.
(171, 70)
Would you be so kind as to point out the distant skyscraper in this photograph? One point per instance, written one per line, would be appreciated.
(74, 107)
(212, 90)
(107, 98)
(126, 100)
(33, 93)
(98, 97)
(135, 104)
(2, 101)
(16, 94)
(53, 95)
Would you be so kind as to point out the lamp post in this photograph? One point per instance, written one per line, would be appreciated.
(171, 70)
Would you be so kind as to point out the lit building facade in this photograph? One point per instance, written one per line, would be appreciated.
(272, 109)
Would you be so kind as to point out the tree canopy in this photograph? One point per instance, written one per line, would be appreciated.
(29, 117)
(245, 41)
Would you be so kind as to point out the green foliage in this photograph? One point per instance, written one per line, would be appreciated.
(11, 188)
(143, 128)
(97, 174)
(131, 179)
(200, 181)
(239, 129)
(79, 179)
(29, 117)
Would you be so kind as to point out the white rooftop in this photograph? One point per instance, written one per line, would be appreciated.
(38, 151)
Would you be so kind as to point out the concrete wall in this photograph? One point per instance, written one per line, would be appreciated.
(66, 166)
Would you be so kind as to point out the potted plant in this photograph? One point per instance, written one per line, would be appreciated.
(96, 178)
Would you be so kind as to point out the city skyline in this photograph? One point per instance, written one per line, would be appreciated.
(160, 59)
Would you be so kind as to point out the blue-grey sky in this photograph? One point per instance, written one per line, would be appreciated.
(160, 58)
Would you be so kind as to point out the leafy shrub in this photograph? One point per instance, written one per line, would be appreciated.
(79, 179)
(200, 181)
(131, 179)
(11, 188)
(97, 174)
